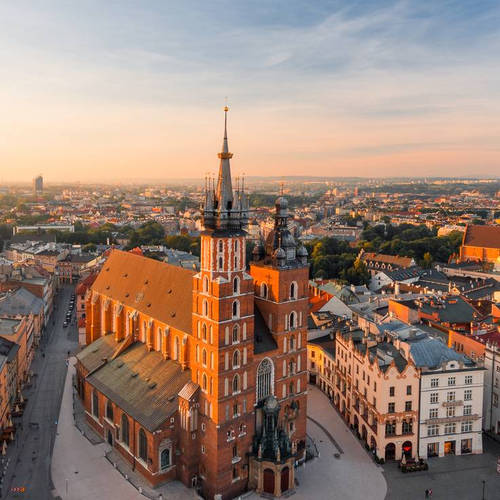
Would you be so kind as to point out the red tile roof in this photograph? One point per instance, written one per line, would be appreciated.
(387, 259)
(155, 288)
(482, 236)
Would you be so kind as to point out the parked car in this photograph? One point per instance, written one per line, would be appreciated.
(65, 324)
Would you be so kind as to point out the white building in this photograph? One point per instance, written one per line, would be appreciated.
(491, 406)
(451, 404)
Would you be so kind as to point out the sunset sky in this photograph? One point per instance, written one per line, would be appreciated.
(119, 90)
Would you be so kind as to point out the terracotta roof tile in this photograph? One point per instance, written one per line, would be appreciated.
(155, 288)
(482, 236)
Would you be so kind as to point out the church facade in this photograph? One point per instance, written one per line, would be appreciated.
(201, 377)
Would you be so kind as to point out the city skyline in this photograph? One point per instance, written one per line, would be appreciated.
(107, 92)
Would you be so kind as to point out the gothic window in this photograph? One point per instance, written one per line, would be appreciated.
(293, 320)
(293, 290)
(221, 264)
(204, 332)
(204, 382)
(125, 430)
(236, 246)
(205, 308)
(236, 359)
(165, 458)
(292, 342)
(236, 285)
(236, 384)
(220, 246)
(265, 376)
(95, 404)
(143, 446)
(236, 309)
(204, 357)
(263, 290)
(236, 334)
(205, 284)
(109, 410)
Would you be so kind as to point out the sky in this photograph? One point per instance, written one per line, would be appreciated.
(123, 90)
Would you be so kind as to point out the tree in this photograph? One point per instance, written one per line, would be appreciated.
(427, 261)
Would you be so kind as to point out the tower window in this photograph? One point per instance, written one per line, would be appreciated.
(205, 284)
(236, 359)
(236, 285)
(236, 309)
(220, 246)
(204, 332)
(293, 320)
(263, 290)
(236, 334)
(236, 384)
(143, 446)
(221, 264)
(293, 290)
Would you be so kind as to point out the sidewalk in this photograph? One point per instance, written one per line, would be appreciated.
(80, 470)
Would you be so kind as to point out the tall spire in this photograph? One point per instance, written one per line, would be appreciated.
(224, 184)
(223, 208)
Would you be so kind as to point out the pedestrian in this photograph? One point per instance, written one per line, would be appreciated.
(430, 492)
(426, 493)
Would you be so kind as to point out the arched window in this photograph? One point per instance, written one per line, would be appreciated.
(205, 284)
(265, 379)
(176, 349)
(263, 290)
(165, 458)
(204, 357)
(158, 340)
(205, 307)
(204, 382)
(236, 246)
(293, 320)
(204, 332)
(236, 309)
(236, 334)
(236, 285)
(293, 290)
(95, 404)
(236, 359)
(221, 264)
(125, 430)
(221, 247)
(236, 384)
(292, 342)
(143, 445)
(109, 410)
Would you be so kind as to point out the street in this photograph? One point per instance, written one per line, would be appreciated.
(29, 456)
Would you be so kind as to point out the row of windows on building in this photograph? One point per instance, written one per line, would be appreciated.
(123, 434)
(449, 428)
(450, 396)
(452, 381)
(450, 411)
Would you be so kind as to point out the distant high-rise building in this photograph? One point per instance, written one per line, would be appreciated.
(38, 184)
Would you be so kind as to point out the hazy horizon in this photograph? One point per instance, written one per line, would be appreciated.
(100, 92)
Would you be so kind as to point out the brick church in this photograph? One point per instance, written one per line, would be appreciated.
(201, 377)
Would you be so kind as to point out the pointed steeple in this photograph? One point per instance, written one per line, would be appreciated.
(223, 208)
(224, 184)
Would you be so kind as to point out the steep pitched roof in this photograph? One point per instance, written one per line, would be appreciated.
(160, 290)
(140, 382)
(482, 236)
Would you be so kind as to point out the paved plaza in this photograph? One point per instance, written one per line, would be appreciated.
(452, 477)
